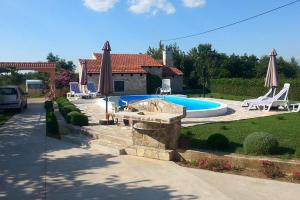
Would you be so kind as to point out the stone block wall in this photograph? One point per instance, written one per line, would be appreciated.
(133, 83)
(176, 84)
(154, 70)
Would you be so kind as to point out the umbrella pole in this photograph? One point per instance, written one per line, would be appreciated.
(106, 112)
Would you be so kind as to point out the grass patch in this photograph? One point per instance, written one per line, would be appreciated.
(5, 117)
(221, 96)
(285, 127)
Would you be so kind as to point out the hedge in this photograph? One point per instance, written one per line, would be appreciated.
(66, 108)
(51, 121)
(251, 87)
(77, 118)
(48, 105)
(51, 124)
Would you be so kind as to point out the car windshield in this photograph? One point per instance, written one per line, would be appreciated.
(8, 91)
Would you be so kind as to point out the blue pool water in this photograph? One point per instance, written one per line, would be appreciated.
(190, 104)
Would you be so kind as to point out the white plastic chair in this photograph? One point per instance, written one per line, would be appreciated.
(166, 87)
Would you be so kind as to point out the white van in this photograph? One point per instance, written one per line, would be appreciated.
(12, 97)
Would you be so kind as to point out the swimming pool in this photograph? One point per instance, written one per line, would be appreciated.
(194, 107)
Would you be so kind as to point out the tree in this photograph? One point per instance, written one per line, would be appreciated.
(61, 64)
(63, 78)
(203, 62)
(155, 53)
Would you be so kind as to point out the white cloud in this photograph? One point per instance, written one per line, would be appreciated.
(151, 6)
(194, 3)
(100, 5)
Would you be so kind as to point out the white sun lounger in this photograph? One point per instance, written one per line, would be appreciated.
(75, 91)
(279, 100)
(269, 94)
(91, 88)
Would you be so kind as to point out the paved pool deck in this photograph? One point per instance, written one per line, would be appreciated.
(33, 166)
(235, 112)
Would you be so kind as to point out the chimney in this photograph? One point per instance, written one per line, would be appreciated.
(168, 57)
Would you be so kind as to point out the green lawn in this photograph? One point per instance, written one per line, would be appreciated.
(221, 96)
(5, 117)
(285, 127)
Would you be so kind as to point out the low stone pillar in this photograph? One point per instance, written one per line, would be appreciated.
(156, 135)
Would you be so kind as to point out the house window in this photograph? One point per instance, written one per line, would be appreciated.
(119, 86)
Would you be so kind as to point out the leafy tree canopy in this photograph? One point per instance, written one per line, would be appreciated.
(202, 63)
(61, 64)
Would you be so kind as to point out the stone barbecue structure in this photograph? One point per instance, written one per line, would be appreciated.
(130, 71)
(156, 126)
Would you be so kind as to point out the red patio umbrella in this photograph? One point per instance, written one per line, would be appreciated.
(84, 78)
(105, 86)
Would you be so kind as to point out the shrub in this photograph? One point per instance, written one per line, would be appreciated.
(215, 165)
(271, 170)
(48, 105)
(70, 114)
(67, 109)
(202, 164)
(62, 104)
(217, 141)
(61, 99)
(77, 118)
(51, 123)
(260, 143)
(296, 175)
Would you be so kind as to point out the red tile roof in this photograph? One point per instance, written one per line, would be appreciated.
(169, 71)
(28, 65)
(122, 63)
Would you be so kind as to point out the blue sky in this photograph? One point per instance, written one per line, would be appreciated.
(73, 29)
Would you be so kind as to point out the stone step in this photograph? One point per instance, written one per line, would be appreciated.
(121, 138)
(88, 143)
(107, 148)
(148, 152)
(81, 140)
(117, 131)
(112, 139)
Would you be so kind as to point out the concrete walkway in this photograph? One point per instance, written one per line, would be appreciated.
(69, 172)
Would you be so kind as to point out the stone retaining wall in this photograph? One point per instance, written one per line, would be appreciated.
(252, 162)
